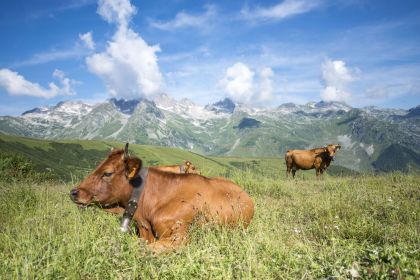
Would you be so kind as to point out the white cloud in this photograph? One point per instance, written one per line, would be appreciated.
(119, 12)
(87, 40)
(282, 10)
(183, 20)
(337, 77)
(16, 84)
(129, 65)
(239, 82)
(240, 85)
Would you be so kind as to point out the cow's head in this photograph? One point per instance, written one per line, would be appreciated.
(190, 168)
(109, 183)
(332, 149)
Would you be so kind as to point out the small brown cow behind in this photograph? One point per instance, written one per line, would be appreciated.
(168, 202)
(319, 158)
(186, 168)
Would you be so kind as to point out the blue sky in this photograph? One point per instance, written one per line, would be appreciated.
(264, 53)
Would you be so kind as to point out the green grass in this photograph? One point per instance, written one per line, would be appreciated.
(366, 225)
(363, 225)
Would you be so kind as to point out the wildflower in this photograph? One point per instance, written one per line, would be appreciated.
(354, 273)
(390, 199)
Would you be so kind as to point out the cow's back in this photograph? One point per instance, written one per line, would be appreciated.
(300, 159)
(189, 195)
(229, 202)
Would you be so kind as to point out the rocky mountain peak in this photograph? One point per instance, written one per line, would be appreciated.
(63, 107)
(413, 112)
(125, 106)
(331, 106)
(226, 106)
(37, 110)
(164, 100)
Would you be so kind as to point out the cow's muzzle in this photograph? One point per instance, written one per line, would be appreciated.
(74, 194)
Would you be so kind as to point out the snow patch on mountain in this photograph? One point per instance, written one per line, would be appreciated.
(186, 108)
(236, 144)
(64, 114)
(369, 149)
(124, 122)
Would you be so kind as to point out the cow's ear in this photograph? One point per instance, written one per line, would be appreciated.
(126, 154)
(132, 167)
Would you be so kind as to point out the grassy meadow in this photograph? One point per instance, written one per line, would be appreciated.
(360, 226)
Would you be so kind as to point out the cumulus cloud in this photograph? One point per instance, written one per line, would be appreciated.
(337, 76)
(119, 12)
(129, 65)
(241, 85)
(87, 40)
(183, 20)
(16, 84)
(239, 82)
(282, 10)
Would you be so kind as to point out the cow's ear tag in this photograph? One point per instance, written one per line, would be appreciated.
(132, 173)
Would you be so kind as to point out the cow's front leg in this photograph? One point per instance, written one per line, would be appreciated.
(293, 172)
(318, 173)
(114, 210)
(288, 169)
(173, 237)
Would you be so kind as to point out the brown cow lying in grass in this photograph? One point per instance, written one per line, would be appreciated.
(319, 158)
(167, 203)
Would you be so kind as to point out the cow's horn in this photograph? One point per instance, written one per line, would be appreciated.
(126, 151)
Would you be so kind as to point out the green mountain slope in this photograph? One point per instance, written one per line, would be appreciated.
(236, 130)
(73, 159)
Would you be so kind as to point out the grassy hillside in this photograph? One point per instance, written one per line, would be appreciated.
(72, 160)
(340, 227)
(365, 226)
(397, 157)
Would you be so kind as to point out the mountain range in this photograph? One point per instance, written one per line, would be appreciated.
(372, 138)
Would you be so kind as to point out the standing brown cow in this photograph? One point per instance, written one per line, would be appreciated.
(166, 203)
(318, 158)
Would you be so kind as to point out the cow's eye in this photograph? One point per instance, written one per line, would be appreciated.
(107, 174)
